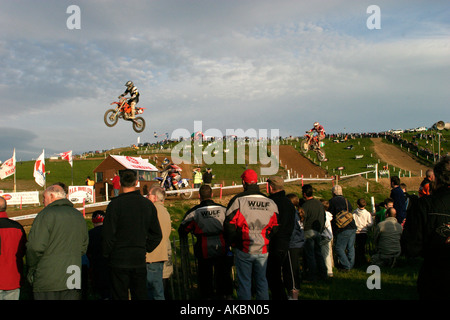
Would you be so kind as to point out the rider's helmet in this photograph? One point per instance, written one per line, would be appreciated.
(316, 125)
(129, 84)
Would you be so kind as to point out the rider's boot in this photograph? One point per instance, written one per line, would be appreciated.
(133, 110)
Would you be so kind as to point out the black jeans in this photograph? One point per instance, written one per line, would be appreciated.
(72, 294)
(274, 271)
(214, 277)
(132, 279)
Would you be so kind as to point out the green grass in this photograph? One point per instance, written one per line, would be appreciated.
(398, 283)
(56, 171)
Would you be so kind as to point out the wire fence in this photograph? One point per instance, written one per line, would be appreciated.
(183, 282)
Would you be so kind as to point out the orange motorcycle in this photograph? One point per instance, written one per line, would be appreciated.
(123, 110)
(312, 143)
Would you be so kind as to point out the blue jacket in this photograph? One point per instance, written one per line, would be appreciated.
(297, 237)
(398, 196)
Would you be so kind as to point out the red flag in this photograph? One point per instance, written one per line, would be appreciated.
(67, 156)
(8, 167)
(39, 170)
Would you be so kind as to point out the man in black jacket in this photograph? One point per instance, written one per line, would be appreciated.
(313, 224)
(205, 221)
(130, 229)
(251, 220)
(279, 242)
(427, 233)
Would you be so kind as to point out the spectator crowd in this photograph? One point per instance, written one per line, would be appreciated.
(274, 241)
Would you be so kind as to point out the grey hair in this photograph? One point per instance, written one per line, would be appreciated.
(57, 191)
(157, 191)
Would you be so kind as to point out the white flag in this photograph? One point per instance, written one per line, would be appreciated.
(8, 167)
(67, 156)
(39, 170)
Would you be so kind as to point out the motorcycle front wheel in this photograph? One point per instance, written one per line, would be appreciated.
(139, 124)
(321, 156)
(187, 194)
(111, 118)
(304, 146)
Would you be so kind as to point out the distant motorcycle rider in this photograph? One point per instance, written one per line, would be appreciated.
(172, 171)
(134, 97)
(320, 133)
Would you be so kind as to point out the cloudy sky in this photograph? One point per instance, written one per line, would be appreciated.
(247, 64)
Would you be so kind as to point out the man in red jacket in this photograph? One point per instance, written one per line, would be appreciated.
(425, 185)
(116, 184)
(250, 220)
(12, 249)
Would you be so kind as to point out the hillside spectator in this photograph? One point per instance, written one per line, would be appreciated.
(116, 184)
(89, 181)
(207, 177)
(425, 185)
(327, 239)
(12, 249)
(57, 241)
(294, 263)
(251, 211)
(409, 200)
(380, 215)
(399, 199)
(345, 237)
(313, 227)
(279, 242)
(364, 221)
(99, 269)
(130, 229)
(427, 233)
(157, 258)
(197, 178)
(205, 221)
(387, 237)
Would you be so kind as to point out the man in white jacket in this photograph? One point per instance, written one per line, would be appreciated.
(364, 221)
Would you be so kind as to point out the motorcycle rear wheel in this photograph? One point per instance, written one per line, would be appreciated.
(304, 146)
(139, 124)
(111, 117)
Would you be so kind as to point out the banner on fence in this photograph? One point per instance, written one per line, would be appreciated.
(18, 198)
(78, 193)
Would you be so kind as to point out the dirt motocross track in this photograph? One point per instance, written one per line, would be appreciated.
(297, 164)
(393, 156)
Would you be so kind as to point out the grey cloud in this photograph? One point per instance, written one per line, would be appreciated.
(236, 64)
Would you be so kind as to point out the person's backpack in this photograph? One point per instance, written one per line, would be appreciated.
(344, 217)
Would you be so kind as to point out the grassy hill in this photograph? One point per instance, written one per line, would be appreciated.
(346, 155)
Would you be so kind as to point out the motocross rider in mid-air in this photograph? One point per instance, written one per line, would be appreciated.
(320, 133)
(134, 97)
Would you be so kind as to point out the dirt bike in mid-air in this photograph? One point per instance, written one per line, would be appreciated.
(312, 143)
(123, 110)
